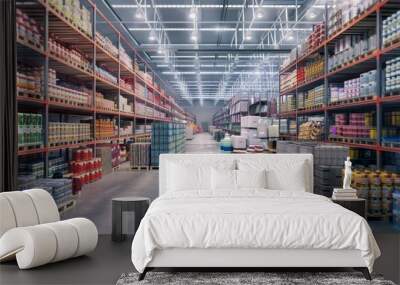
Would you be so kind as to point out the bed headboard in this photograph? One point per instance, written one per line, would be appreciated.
(205, 159)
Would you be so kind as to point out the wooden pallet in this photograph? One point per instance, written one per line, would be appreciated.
(391, 144)
(28, 94)
(312, 108)
(29, 42)
(63, 207)
(53, 144)
(29, 147)
(393, 42)
(382, 217)
(352, 61)
(352, 140)
(140, 167)
(353, 100)
(67, 102)
(154, 167)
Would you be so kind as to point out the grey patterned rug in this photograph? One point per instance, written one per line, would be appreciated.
(243, 278)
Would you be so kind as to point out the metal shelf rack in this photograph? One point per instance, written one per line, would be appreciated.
(372, 17)
(56, 24)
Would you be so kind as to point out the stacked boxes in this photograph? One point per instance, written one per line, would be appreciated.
(31, 167)
(28, 29)
(139, 154)
(314, 97)
(359, 126)
(105, 75)
(350, 47)
(30, 130)
(106, 44)
(378, 188)
(311, 130)
(85, 169)
(362, 86)
(328, 162)
(60, 132)
(392, 76)
(104, 104)
(77, 14)
(124, 106)
(29, 80)
(57, 165)
(287, 103)
(59, 189)
(288, 80)
(314, 69)
(66, 92)
(125, 58)
(127, 83)
(391, 29)
(341, 12)
(69, 55)
(166, 138)
(105, 128)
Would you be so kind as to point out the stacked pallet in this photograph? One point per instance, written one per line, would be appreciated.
(139, 155)
(166, 138)
(328, 162)
(59, 189)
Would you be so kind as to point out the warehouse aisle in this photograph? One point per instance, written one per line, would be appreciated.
(202, 143)
(94, 202)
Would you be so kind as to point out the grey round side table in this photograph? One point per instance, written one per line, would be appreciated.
(138, 205)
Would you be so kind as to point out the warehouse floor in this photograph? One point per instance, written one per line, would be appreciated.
(95, 200)
(110, 259)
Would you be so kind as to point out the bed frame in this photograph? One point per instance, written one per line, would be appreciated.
(233, 259)
(244, 259)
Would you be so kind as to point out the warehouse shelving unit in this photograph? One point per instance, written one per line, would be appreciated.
(56, 24)
(228, 119)
(371, 18)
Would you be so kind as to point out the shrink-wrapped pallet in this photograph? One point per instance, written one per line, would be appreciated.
(239, 142)
(139, 154)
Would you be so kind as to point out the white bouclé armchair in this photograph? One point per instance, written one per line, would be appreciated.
(31, 231)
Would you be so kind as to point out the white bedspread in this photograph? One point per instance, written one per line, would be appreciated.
(250, 219)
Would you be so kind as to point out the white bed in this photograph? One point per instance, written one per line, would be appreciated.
(249, 227)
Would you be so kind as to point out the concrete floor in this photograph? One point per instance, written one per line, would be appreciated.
(110, 260)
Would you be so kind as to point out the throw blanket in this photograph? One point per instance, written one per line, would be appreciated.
(255, 218)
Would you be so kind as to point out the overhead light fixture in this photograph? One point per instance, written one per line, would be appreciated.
(311, 15)
(247, 35)
(139, 14)
(259, 13)
(194, 36)
(192, 13)
(160, 50)
(290, 36)
(152, 35)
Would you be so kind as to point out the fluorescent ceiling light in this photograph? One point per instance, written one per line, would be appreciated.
(152, 35)
(194, 36)
(192, 13)
(247, 35)
(160, 50)
(139, 14)
(259, 13)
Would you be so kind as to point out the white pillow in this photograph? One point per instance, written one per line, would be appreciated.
(282, 174)
(223, 179)
(183, 177)
(251, 179)
(193, 176)
(278, 179)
